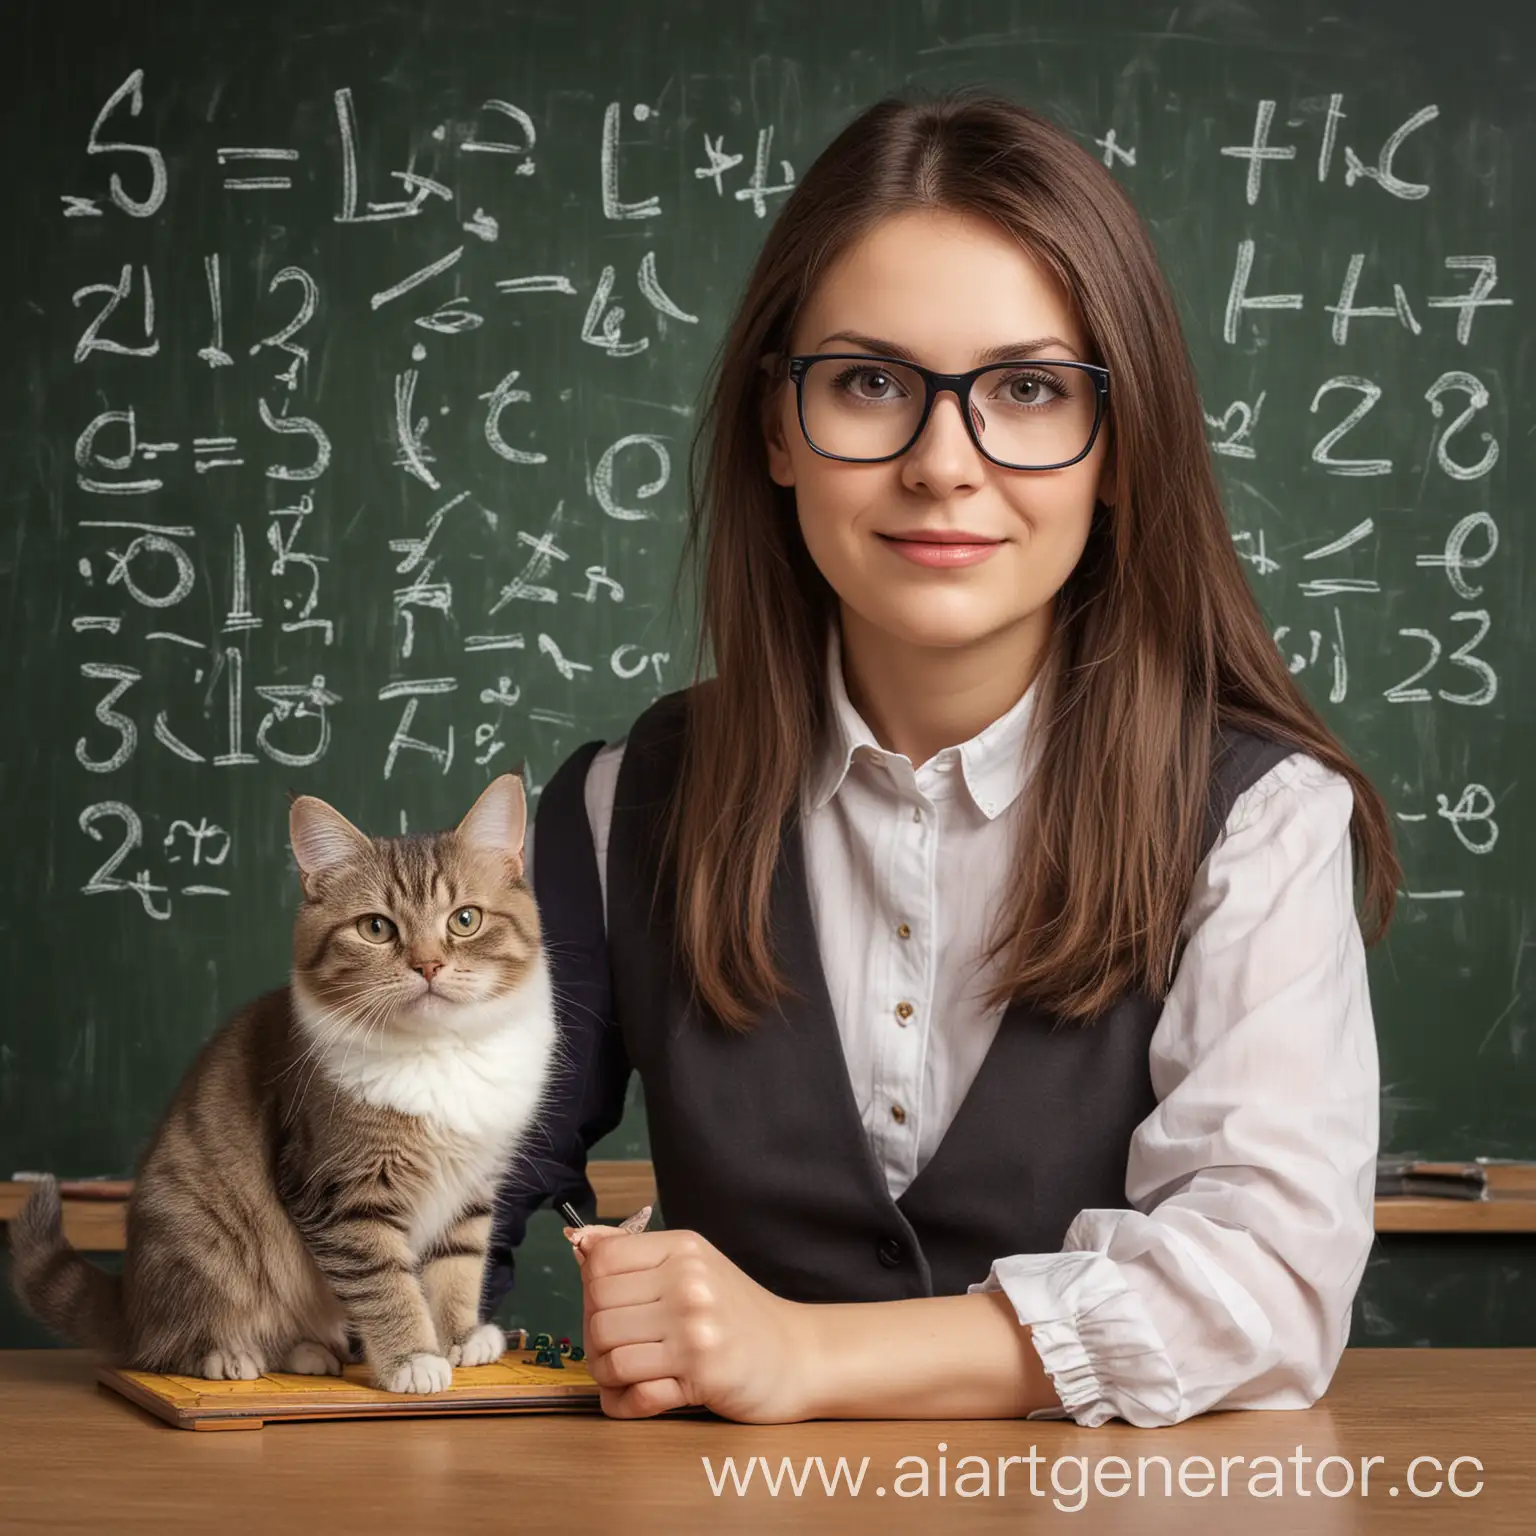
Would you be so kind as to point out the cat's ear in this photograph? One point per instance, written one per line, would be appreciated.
(498, 819)
(322, 839)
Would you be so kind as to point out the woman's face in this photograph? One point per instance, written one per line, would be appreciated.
(944, 290)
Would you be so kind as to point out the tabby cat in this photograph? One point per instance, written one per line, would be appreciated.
(321, 1184)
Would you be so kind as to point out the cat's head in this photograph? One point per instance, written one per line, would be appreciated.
(415, 932)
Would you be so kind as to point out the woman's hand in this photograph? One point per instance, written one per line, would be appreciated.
(668, 1320)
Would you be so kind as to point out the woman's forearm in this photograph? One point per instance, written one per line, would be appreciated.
(933, 1357)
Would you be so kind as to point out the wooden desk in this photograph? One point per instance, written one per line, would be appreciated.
(74, 1457)
(622, 1186)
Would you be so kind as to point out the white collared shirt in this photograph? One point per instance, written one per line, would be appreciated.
(1230, 1280)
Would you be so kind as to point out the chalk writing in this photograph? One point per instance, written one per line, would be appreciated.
(245, 599)
(1374, 300)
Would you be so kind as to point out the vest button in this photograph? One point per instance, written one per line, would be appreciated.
(891, 1251)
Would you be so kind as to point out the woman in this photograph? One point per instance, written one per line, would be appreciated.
(983, 931)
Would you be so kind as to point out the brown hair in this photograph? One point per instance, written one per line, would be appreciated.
(1157, 641)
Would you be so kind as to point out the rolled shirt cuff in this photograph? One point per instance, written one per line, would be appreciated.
(1093, 1336)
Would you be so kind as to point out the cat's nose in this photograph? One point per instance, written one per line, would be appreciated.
(428, 968)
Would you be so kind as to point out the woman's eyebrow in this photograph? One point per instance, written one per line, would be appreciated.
(1011, 349)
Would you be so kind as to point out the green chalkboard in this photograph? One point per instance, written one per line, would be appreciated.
(353, 354)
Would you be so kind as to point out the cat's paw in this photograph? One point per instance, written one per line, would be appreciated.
(481, 1346)
(417, 1373)
(232, 1365)
(311, 1359)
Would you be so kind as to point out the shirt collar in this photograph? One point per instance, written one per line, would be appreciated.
(995, 763)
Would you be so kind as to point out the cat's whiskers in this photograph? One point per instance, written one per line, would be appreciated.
(341, 997)
(358, 1001)
(568, 1002)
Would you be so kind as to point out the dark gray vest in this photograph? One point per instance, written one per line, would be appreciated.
(756, 1138)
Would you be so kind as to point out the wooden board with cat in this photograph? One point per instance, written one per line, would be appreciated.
(307, 1229)
(513, 1384)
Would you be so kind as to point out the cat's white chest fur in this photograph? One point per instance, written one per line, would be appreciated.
(477, 1083)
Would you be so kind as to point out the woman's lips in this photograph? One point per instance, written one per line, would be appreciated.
(942, 556)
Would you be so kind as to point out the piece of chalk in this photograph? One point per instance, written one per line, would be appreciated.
(638, 1222)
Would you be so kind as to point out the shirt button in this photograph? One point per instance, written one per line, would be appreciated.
(903, 1012)
(898, 1114)
(903, 931)
(917, 813)
(891, 1251)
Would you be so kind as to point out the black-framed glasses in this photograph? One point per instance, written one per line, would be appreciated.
(1036, 414)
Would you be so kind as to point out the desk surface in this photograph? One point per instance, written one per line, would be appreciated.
(74, 1457)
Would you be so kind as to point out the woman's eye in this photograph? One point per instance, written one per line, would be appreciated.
(868, 384)
(465, 921)
(1033, 390)
(376, 928)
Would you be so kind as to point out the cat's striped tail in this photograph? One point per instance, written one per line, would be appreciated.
(57, 1284)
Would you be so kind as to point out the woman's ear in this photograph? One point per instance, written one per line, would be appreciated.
(780, 467)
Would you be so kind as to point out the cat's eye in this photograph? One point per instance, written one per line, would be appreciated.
(376, 928)
(465, 921)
